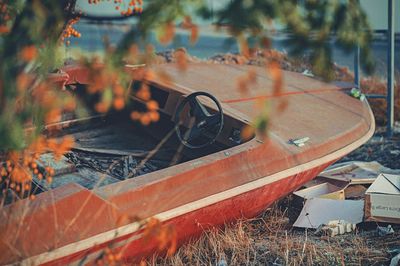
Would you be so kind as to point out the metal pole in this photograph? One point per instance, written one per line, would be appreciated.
(390, 69)
(357, 67)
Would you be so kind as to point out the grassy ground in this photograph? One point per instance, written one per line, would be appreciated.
(270, 239)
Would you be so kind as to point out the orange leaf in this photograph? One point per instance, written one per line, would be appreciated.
(181, 59)
(23, 81)
(28, 53)
(194, 34)
(174, 243)
(244, 47)
(168, 33)
(247, 132)
(4, 29)
(275, 72)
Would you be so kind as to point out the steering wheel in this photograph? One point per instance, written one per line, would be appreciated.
(201, 124)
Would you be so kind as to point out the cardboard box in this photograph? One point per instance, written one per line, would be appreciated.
(324, 190)
(382, 199)
(354, 172)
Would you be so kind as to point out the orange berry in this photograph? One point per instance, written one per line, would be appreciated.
(144, 95)
(51, 171)
(118, 90)
(135, 115)
(154, 116)
(145, 119)
(152, 105)
(101, 107)
(118, 256)
(111, 257)
(119, 103)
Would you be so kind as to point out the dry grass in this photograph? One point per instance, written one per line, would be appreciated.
(271, 240)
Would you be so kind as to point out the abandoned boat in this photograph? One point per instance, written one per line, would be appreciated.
(191, 176)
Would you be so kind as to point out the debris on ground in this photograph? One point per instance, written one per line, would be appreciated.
(366, 193)
(330, 230)
(357, 172)
(324, 190)
(384, 230)
(308, 73)
(319, 211)
(381, 149)
(395, 260)
(336, 227)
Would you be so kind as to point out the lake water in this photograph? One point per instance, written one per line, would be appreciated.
(211, 43)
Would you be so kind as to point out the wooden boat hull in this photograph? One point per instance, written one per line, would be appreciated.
(192, 196)
(190, 221)
(133, 247)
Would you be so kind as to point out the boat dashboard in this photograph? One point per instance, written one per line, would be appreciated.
(175, 101)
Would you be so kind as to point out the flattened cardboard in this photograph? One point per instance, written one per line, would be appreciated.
(317, 211)
(357, 172)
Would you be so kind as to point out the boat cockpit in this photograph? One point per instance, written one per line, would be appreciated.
(113, 147)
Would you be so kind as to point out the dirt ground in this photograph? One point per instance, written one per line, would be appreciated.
(379, 148)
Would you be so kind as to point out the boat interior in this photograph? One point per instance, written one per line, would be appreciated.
(200, 114)
(110, 148)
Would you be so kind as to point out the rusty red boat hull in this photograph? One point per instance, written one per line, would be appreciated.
(234, 183)
(190, 225)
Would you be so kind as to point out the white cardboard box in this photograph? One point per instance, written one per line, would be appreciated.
(382, 199)
(324, 190)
